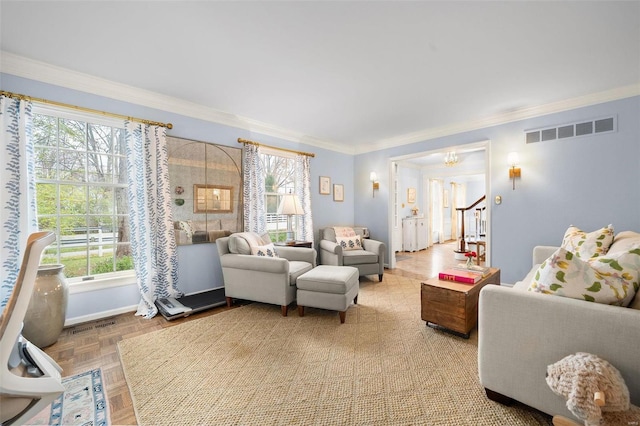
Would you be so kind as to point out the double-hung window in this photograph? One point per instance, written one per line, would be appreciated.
(81, 192)
(280, 179)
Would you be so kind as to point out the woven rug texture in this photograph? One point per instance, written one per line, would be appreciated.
(251, 366)
(83, 403)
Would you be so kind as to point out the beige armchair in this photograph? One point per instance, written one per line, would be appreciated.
(369, 260)
(260, 278)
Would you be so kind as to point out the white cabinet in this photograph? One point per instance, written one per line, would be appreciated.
(414, 234)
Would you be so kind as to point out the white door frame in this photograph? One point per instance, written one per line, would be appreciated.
(393, 207)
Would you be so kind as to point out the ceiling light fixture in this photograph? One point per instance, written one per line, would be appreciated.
(450, 159)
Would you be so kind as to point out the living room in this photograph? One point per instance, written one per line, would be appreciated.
(562, 180)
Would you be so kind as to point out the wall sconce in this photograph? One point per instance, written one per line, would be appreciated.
(373, 177)
(514, 172)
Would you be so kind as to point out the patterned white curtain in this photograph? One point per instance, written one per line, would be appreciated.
(303, 191)
(255, 210)
(153, 243)
(17, 189)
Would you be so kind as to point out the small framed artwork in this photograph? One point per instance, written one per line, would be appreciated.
(325, 185)
(338, 192)
(411, 195)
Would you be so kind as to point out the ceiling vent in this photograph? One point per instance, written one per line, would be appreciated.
(600, 125)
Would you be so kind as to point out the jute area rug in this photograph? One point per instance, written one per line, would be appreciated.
(251, 366)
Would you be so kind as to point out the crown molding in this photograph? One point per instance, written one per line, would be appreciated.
(497, 119)
(40, 71)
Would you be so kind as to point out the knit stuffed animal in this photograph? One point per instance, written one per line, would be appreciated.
(594, 389)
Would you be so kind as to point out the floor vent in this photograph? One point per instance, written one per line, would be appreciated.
(583, 128)
(106, 324)
(88, 327)
(82, 329)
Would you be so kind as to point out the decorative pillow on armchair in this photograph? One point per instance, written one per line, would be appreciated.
(350, 243)
(588, 245)
(268, 250)
(611, 279)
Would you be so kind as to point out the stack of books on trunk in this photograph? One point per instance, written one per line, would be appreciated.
(465, 275)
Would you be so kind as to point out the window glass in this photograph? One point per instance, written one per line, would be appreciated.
(279, 179)
(81, 192)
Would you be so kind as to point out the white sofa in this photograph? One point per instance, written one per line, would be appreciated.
(520, 333)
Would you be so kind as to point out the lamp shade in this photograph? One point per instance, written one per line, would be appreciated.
(290, 204)
(513, 159)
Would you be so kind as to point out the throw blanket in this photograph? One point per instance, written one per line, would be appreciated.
(344, 231)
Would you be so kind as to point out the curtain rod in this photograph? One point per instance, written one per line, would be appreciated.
(79, 108)
(245, 141)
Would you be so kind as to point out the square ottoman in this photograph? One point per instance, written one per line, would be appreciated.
(328, 287)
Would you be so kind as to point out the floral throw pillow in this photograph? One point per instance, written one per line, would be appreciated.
(587, 245)
(350, 243)
(187, 227)
(611, 279)
(268, 250)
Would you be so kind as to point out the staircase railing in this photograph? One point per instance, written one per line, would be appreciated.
(463, 245)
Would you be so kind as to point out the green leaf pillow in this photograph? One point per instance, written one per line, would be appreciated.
(611, 279)
(587, 245)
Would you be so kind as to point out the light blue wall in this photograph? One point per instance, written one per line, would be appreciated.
(588, 181)
(199, 265)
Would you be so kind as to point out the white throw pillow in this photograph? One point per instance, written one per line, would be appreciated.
(350, 243)
(268, 250)
(187, 227)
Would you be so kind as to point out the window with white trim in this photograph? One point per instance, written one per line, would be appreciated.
(81, 192)
(280, 179)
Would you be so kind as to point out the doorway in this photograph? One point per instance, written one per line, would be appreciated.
(428, 171)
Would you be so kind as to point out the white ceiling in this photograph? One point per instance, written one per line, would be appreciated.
(351, 74)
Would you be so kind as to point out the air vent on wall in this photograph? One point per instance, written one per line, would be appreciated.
(600, 125)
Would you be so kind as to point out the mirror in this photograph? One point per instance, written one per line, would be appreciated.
(206, 185)
(212, 199)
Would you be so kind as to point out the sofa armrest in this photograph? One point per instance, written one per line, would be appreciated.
(302, 254)
(520, 333)
(330, 253)
(249, 262)
(542, 253)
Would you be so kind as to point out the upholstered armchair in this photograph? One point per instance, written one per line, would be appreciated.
(251, 273)
(369, 258)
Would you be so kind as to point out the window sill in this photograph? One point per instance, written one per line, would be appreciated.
(102, 283)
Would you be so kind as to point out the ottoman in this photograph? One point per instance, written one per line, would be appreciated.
(328, 287)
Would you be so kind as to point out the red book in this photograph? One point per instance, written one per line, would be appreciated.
(459, 276)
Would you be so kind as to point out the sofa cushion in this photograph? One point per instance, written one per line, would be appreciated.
(267, 250)
(624, 241)
(350, 243)
(297, 268)
(587, 245)
(358, 257)
(611, 279)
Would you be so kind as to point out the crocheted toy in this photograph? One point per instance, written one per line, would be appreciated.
(594, 389)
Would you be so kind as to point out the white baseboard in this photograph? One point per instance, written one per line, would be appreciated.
(69, 322)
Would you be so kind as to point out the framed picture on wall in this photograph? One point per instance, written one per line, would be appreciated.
(411, 195)
(338, 192)
(325, 185)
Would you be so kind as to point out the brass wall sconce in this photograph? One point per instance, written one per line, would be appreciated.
(373, 177)
(514, 171)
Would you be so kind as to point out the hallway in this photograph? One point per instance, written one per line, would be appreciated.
(425, 264)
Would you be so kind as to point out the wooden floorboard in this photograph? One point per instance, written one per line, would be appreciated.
(94, 344)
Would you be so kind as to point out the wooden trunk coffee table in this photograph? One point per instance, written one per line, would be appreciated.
(453, 306)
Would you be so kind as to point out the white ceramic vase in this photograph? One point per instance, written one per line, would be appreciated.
(47, 309)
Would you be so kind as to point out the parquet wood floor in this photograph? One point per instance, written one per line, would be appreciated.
(94, 344)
